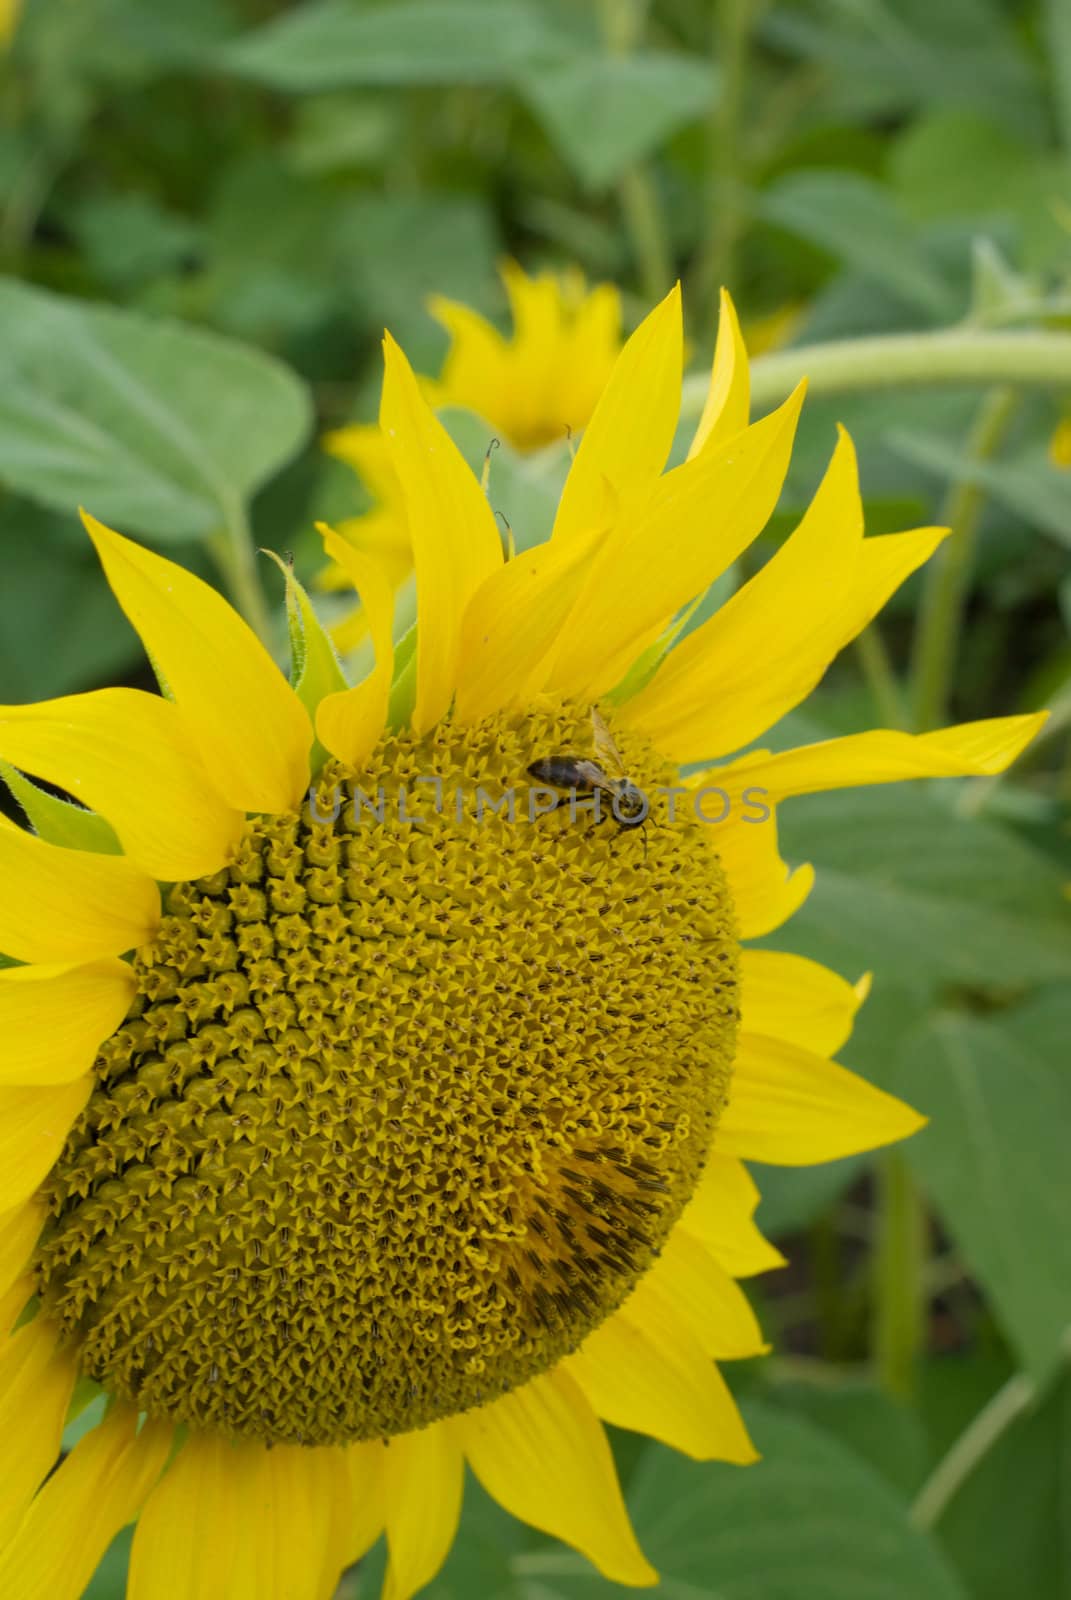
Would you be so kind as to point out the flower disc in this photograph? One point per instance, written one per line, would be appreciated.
(403, 1108)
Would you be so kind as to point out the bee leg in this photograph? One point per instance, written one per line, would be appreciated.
(599, 820)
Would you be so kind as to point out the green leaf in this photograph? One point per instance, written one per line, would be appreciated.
(856, 220)
(994, 1157)
(794, 1197)
(109, 1580)
(1027, 484)
(60, 628)
(397, 249)
(879, 60)
(605, 112)
(1008, 1529)
(151, 424)
(339, 44)
(810, 1521)
(888, 1436)
(60, 821)
(957, 163)
(129, 240)
(920, 894)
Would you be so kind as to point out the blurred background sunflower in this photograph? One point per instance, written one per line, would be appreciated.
(207, 216)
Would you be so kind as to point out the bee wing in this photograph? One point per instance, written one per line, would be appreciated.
(570, 772)
(606, 751)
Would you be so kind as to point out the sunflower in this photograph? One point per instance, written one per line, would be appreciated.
(538, 388)
(342, 1149)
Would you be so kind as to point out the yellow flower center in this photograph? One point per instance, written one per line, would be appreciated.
(403, 1109)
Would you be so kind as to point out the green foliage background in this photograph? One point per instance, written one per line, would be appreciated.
(207, 214)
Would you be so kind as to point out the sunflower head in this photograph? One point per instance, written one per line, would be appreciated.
(374, 1112)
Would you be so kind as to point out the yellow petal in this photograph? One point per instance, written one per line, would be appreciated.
(541, 1452)
(382, 535)
(720, 1216)
(789, 997)
(475, 369)
(630, 433)
(96, 1491)
(53, 1019)
(350, 722)
(883, 565)
(252, 732)
(36, 1383)
(260, 1520)
(513, 623)
(129, 756)
(793, 1108)
(693, 524)
(764, 892)
(766, 648)
(187, 1537)
(15, 1300)
(703, 1297)
(366, 1514)
(728, 401)
(363, 447)
(70, 905)
(19, 1232)
(424, 1477)
(536, 303)
(34, 1124)
(650, 1374)
(455, 539)
(331, 1480)
(294, 1490)
(885, 756)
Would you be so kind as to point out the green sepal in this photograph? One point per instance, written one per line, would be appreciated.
(87, 1392)
(315, 668)
(403, 689)
(61, 821)
(648, 662)
(702, 608)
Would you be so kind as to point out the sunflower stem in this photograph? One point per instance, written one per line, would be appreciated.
(236, 557)
(642, 211)
(948, 574)
(622, 23)
(731, 29)
(900, 1306)
(881, 679)
(973, 1445)
(962, 355)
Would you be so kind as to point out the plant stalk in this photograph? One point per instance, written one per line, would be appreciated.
(973, 1444)
(948, 573)
(237, 560)
(900, 1306)
(963, 356)
(622, 23)
(731, 25)
(881, 679)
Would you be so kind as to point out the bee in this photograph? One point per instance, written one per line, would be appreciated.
(603, 774)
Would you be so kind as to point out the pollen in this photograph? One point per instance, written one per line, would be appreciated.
(408, 1100)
